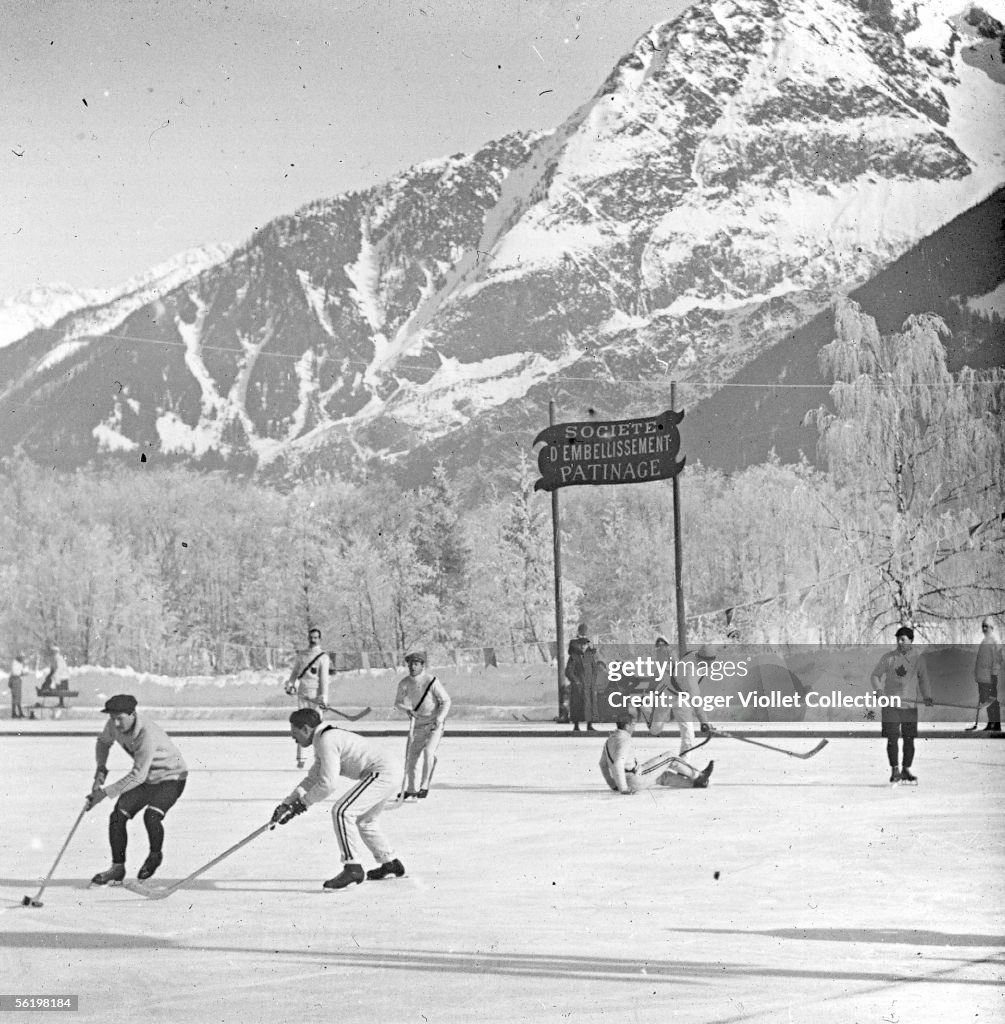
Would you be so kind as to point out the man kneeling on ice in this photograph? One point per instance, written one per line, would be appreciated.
(338, 753)
(623, 773)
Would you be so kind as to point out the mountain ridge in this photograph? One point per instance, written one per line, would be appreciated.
(741, 165)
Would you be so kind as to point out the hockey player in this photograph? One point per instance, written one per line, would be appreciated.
(309, 678)
(901, 673)
(681, 689)
(156, 781)
(623, 773)
(339, 753)
(425, 700)
(987, 672)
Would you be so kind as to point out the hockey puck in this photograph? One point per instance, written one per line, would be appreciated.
(715, 875)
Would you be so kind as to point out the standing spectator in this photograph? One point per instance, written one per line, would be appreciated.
(155, 782)
(901, 673)
(425, 700)
(14, 682)
(580, 669)
(341, 754)
(987, 673)
(309, 678)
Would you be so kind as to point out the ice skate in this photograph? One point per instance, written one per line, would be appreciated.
(409, 796)
(894, 776)
(351, 874)
(150, 865)
(113, 876)
(423, 793)
(393, 868)
(701, 782)
(907, 777)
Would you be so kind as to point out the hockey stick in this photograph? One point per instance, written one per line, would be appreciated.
(767, 746)
(342, 714)
(345, 714)
(156, 893)
(37, 901)
(408, 747)
(698, 746)
(943, 704)
(977, 716)
(353, 718)
(965, 707)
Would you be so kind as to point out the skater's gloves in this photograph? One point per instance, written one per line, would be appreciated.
(94, 798)
(290, 689)
(287, 812)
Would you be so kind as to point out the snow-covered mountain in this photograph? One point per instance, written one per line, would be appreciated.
(41, 307)
(744, 163)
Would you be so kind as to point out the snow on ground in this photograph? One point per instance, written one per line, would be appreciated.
(789, 891)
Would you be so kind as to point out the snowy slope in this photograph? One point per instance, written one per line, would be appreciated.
(744, 163)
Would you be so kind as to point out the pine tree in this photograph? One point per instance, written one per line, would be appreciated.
(527, 536)
(439, 539)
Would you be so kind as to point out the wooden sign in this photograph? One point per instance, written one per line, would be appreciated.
(611, 452)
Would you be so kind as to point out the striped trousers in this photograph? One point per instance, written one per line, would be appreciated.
(355, 818)
(662, 770)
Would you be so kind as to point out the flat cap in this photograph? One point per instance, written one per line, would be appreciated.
(120, 704)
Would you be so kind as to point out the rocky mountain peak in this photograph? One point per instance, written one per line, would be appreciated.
(741, 165)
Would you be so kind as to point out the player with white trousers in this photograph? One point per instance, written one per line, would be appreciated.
(342, 754)
(683, 696)
(426, 702)
(624, 774)
(309, 677)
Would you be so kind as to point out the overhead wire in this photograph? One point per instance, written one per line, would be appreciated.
(663, 381)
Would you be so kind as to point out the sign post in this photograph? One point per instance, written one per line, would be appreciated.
(678, 551)
(556, 528)
(610, 452)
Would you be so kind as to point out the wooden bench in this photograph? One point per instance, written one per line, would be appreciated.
(58, 698)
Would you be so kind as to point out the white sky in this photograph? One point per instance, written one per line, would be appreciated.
(133, 131)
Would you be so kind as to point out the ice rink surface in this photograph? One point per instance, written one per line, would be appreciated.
(788, 891)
